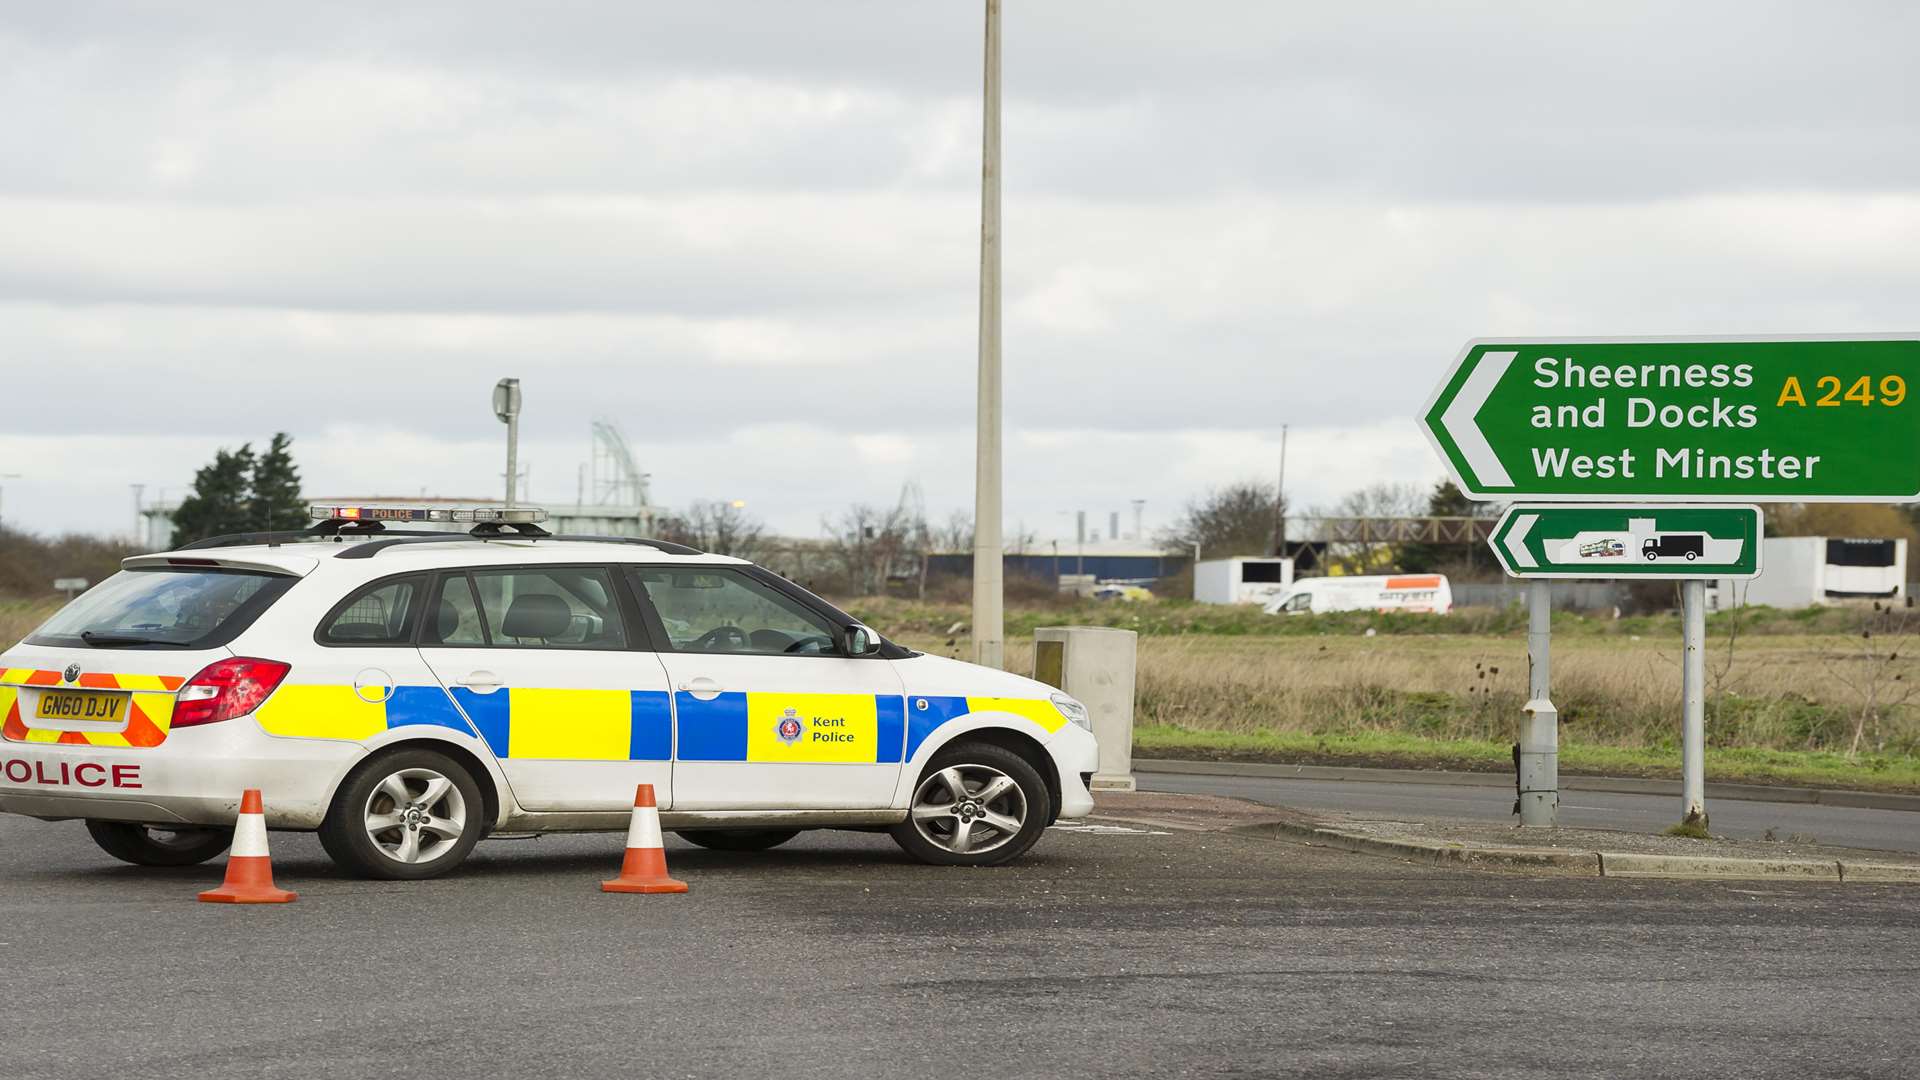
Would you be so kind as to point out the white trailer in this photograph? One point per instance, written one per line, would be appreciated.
(1241, 580)
(1812, 571)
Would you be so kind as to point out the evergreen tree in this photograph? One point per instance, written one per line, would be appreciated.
(274, 503)
(219, 503)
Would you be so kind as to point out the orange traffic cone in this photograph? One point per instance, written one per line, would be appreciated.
(644, 870)
(249, 869)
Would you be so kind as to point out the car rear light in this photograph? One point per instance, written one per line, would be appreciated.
(226, 689)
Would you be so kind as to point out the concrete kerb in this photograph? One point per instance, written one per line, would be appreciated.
(1430, 851)
(1589, 863)
(1626, 785)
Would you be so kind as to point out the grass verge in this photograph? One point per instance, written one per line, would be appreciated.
(1393, 750)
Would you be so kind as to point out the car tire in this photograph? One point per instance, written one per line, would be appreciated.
(738, 839)
(961, 792)
(157, 845)
(404, 816)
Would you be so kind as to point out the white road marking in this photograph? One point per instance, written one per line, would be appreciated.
(1105, 830)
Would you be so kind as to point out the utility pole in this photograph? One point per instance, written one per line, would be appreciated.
(989, 625)
(1280, 500)
(506, 406)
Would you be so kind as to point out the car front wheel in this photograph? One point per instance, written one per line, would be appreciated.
(406, 815)
(977, 804)
(157, 845)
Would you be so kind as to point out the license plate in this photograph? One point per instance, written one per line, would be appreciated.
(82, 705)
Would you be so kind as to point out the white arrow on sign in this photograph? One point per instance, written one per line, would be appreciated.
(1459, 422)
(1516, 540)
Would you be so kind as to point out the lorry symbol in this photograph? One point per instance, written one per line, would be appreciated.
(1674, 545)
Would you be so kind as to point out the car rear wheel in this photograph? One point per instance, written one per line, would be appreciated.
(158, 845)
(738, 839)
(977, 804)
(406, 815)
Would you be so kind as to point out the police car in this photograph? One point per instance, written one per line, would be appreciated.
(407, 692)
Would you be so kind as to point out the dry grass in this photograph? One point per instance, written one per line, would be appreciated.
(1779, 693)
(18, 618)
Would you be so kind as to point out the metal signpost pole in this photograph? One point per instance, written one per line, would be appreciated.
(1540, 732)
(989, 626)
(1693, 696)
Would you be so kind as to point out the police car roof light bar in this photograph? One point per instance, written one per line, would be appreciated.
(529, 515)
(374, 547)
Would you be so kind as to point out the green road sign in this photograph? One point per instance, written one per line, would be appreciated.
(1714, 419)
(1621, 540)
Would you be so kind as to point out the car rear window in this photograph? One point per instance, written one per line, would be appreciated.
(184, 608)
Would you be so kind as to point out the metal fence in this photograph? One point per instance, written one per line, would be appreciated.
(1567, 595)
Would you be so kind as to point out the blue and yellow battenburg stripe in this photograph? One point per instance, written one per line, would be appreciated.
(530, 722)
(925, 714)
(637, 725)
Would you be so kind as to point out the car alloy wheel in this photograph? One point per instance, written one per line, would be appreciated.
(415, 815)
(969, 809)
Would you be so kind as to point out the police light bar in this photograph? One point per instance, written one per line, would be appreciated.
(465, 515)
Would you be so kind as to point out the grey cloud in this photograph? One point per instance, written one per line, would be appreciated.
(1487, 102)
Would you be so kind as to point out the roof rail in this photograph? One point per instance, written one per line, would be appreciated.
(332, 527)
(374, 547)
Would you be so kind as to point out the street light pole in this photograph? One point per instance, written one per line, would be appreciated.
(506, 406)
(989, 627)
(1280, 500)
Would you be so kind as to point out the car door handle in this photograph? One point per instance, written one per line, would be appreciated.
(481, 682)
(703, 688)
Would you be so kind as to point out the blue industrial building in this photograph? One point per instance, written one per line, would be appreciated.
(1103, 566)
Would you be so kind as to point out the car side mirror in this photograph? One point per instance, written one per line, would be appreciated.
(861, 641)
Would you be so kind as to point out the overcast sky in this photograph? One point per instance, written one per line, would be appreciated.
(747, 232)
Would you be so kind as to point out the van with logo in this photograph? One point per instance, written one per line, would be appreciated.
(1420, 593)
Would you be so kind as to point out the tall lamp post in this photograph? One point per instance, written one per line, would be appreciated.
(989, 625)
(506, 406)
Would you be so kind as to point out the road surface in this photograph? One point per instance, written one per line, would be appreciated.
(1103, 954)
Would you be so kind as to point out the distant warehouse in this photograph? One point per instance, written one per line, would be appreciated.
(1104, 561)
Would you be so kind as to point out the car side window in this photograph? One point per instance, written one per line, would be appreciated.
(453, 618)
(561, 607)
(1302, 602)
(707, 610)
(380, 614)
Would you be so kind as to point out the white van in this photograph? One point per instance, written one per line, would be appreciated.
(1423, 593)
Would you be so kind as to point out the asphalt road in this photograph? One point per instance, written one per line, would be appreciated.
(1102, 954)
(1893, 830)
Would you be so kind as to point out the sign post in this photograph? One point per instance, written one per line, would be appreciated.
(1539, 763)
(1693, 702)
(1542, 541)
(72, 586)
(1613, 429)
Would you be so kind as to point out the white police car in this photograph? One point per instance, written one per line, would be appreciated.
(407, 693)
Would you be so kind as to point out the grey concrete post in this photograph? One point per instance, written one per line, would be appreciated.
(989, 617)
(1095, 665)
(1693, 698)
(1540, 731)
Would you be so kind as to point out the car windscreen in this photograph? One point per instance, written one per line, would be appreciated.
(162, 608)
